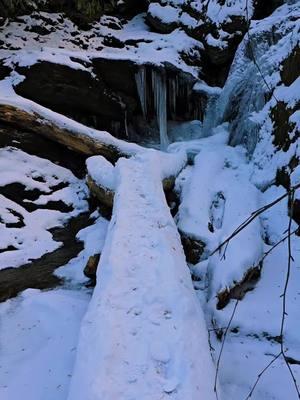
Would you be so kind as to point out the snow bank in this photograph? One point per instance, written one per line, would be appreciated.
(144, 334)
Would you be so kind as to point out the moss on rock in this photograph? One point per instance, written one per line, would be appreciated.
(283, 128)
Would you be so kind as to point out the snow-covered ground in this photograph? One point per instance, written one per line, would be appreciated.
(253, 343)
(38, 341)
(23, 46)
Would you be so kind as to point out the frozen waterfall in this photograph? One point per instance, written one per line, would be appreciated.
(159, 93)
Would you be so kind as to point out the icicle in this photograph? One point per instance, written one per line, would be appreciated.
(126, 125)
(160, 102)
(141, 84)
(172, 96)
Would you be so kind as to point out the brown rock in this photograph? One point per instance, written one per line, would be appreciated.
(239, 290)
(193, 248)
(90, 270)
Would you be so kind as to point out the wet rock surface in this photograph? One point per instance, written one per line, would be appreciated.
(39, 273)
(109, 98)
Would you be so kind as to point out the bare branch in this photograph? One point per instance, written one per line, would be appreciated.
(261, 374)
(284, 308)
(253, 216)
(291, 195)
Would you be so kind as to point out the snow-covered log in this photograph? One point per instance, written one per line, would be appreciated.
(74, 139)
(144, 335)
(101, 175)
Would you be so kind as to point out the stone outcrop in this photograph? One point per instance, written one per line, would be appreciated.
(81, 12)
(109, 99)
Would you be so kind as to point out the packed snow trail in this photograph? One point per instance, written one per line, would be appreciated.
(144, 335)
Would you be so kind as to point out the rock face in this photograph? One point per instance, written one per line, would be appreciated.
(81, 11)
(220, 38)
(71, 92)
(263, 8)
(10, 8)
(119, 97)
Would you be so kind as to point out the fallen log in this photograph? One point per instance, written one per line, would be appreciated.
(30, 116)
(75, 139)
(101, 180)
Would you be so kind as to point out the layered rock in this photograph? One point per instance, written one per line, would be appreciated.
(119, 96)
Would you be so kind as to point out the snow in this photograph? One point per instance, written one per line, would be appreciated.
(166, 14)
(30, 237)
(133, 338)
(38, 339)
(202, 87)
(219, 12)
(101, 171)
(216, 198)
(64, 42)
(93, 238)
(193, 147)
(258, 318)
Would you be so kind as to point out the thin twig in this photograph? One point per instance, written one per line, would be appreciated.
(277, 244)
(253, 216)
(222, 347)
(261, 374)
(291, 194)
(284, 308)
